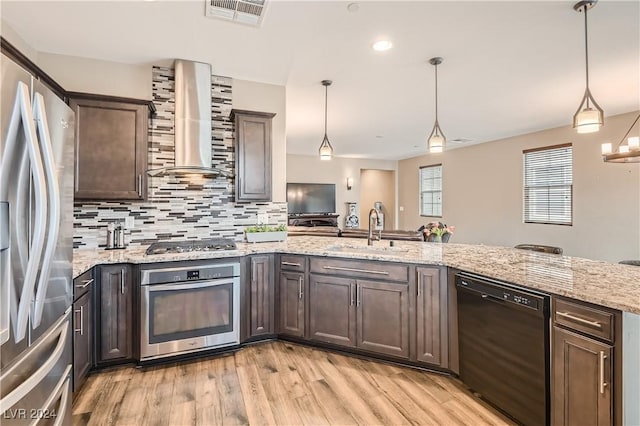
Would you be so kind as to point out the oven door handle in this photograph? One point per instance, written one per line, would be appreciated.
(187, 286)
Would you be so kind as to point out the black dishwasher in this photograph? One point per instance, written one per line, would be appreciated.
(503, 334)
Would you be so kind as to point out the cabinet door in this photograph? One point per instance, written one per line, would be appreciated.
(116, 314)
(383, 317)
(261, 298)
(110, 150)
(253, 155)
(582, 380)
(332, 310)
(431, 316)
(82, 353)
(292, 303)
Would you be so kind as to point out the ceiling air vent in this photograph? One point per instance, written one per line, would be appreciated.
(249, 12)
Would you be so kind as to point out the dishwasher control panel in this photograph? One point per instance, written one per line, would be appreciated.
(498, 292)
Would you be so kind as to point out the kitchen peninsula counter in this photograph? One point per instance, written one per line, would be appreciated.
(602, 283)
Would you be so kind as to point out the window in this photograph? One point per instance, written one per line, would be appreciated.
(548, 185)
(431, 190)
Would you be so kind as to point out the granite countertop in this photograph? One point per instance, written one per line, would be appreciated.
(608, 284)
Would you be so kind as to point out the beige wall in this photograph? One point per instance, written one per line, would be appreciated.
(482, 194)
(95, 76)
(378, 185)
(263, 97)
(310, 169)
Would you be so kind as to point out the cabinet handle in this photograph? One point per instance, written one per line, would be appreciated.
(366, 271)
(85, 283)
(290, 264)
(357, 295)
(601, 365)
(351, 302)
(121, 281)
(419, 284)
(140, 186)
(580, 320)
(81, 312)
(300, 288)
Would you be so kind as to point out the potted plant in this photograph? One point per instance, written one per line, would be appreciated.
(264, 233)
(438, 232)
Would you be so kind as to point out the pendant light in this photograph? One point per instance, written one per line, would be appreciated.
(589, 116)
(627, 153)
(436, 138)
(326, 150)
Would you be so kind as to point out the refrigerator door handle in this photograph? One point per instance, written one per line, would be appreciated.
(10, 399)
(53, 200)
(5, 315)
(22, 112)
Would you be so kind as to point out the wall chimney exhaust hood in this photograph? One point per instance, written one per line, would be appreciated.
(192, 126)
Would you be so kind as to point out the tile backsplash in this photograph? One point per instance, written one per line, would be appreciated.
(179, 207)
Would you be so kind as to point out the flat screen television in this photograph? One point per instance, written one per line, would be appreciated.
(311, 198)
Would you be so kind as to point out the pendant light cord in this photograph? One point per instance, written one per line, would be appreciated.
(436, 66)
(326, 90)
(586, 50)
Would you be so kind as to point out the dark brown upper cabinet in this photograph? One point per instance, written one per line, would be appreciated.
(253, 155)
(110, 147)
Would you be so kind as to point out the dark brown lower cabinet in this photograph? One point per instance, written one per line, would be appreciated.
(332, 310)
(82, 342)
(582, 380)
(383, 317)
(431, 313)
(292, 287)
(115, 314)
(261, 298)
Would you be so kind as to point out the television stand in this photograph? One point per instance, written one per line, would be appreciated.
(314, 220)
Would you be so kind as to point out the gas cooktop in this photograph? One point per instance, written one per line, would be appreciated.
(214, 244)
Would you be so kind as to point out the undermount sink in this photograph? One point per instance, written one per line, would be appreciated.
(367, 249)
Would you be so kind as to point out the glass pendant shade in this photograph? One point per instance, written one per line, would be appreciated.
(326, 150)
(436, 139)
(588, 119)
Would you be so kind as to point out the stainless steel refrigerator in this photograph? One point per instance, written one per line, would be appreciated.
(36, 226)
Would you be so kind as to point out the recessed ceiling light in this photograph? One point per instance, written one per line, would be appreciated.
(382, 45)
(353, 7)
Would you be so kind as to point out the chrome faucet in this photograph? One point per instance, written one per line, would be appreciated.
(370, 237)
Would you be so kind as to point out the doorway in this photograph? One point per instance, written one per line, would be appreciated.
(378, 185)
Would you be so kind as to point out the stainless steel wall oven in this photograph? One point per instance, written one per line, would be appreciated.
(189, 308)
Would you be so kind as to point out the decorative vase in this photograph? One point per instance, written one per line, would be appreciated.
(437, 238)
(352, 221)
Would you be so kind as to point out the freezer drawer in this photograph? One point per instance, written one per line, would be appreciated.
(37, 387)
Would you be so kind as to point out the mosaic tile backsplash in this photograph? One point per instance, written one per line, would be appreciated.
(179, 207)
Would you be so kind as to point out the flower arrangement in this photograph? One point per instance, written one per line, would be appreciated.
(436, 230)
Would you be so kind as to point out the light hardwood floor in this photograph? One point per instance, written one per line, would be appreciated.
(278, 383)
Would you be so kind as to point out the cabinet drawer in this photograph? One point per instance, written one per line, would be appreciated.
(292, 263)
(82, 284)
(376, 270)
(583, 318)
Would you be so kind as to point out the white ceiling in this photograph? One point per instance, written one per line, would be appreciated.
(509, 67)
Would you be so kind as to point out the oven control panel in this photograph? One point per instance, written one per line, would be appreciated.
(182, 274)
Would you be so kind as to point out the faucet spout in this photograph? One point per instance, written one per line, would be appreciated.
(373, 213)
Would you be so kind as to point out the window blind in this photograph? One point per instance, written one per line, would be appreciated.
(431, 190)
(548, 185)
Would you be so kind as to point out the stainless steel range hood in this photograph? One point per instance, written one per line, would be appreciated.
(192, 121)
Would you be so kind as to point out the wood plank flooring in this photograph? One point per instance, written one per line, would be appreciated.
(278, 383)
